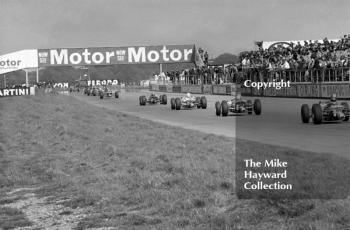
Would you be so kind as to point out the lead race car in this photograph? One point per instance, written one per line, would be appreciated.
(188, 102)
(326, 111)
(237, 106)
(153, 99)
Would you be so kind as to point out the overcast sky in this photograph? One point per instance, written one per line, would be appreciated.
(218, 26)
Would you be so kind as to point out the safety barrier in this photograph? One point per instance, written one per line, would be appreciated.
(222, 89)
(176, 88)
(207, 89)
(321, 75)
(191, 88)
(155, 87)
(162, 88)
(300, 90)
(296, 90)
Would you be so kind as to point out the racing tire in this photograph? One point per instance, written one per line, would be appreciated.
(217, 108)
(140, 100)
(305, 113)
(204, 102)
(249, 104)
(164, 99)
(177, 104)
(116, 94)
(144, 100)
(198, 101)
(316, 113)
(172, 103)
(88, 93)
(346, 110)
(101, 96)
(224, 108)
(257, 107)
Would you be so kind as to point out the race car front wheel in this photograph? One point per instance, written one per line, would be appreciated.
(305, 113)
(198, 101)
(177, 104)
(224, 108)
(217, 108)
(257, 107)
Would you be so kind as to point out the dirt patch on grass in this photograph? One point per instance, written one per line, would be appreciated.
(113, 170)
(39, 212)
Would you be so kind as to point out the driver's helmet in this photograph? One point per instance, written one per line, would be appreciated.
(333, 97)
(188, 95)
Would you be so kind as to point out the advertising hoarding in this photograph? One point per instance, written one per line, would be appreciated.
(115, 55)
(18, 60)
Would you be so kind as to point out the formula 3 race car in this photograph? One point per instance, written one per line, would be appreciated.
(153, 99)
(108, 92)
(188, 102)
(326, 111)
(237, 106)
(94, 91)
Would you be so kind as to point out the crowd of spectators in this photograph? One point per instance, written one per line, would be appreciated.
(206, 74)
(303, 55)
(307, 56)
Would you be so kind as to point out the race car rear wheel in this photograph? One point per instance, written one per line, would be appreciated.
(305, 113)
(164, 99)
(346, 110)
(144, 100)
(177, 104)
(101, 96)
(217, 108)
(140, 99)
(224, 108)
(172, 103)
(317, 113)
(257, 106)
(203, 102)
(116, 94)
(250, 105)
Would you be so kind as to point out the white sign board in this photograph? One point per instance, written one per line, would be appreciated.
(18, 60)
(267, 44)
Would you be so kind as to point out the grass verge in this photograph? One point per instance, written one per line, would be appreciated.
(138, 174)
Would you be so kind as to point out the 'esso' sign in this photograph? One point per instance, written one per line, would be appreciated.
(118, 55)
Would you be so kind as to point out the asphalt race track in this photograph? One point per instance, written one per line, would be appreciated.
(279, 124)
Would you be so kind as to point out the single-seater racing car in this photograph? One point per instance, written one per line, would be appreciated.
(153, 99)
(326, 111)
(188, 102)
(108, 91)
(94, 91)
(237, 106)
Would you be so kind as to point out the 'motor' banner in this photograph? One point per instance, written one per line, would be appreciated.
(18, 60)
(116, 55)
